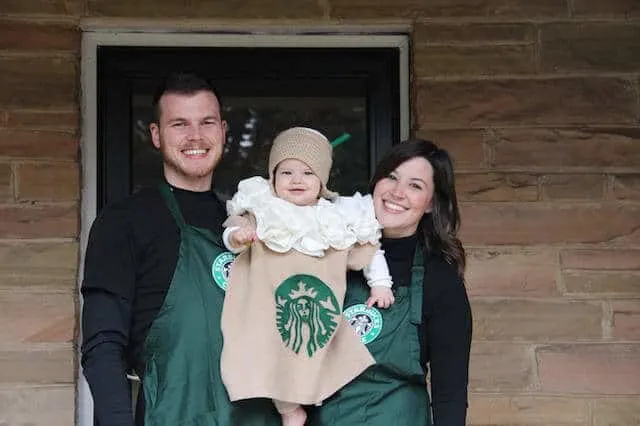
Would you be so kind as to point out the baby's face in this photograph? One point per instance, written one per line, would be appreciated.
(296, 183)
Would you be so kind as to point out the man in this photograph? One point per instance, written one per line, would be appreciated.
(154, 280)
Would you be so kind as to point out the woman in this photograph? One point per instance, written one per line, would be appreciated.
(429, 326)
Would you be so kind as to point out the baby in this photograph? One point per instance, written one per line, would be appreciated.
(297, 239)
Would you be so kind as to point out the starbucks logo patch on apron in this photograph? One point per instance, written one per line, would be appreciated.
(220, 269)
(306, 313)
(366, 322)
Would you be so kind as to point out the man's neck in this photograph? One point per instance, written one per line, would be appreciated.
(202, 184)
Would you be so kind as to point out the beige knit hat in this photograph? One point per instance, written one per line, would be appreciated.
(307, 145)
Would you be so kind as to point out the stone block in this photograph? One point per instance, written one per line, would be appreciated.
(569, 100)
(39, 221)
(38, 144)
(590, 46)
(46, 364)
(627, 187)
(43, 7)
(42, 258)
(362, 9)
(6, 183)
(501, 367)
(497, 187)
(567, 149)
(527, 410)
(594, 283)
(64, 120)
(37, 317)
(621, 411)
(573, 187)
(549, 223)
(48, 182)
(473, 60)
(601, 259)
(526, 273)
(590, 369)
(39, 82)
(37, 405)
(466, 147)
(20, 35)
(626, 319)
(237, 9)
(613, 8)
(473, 32)
(536, 320)
(38, 282)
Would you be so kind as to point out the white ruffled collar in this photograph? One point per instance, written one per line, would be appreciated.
(311, 230)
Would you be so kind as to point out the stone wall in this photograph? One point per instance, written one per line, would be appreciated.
(538, 101)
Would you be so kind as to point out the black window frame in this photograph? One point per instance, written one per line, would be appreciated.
(282, 71)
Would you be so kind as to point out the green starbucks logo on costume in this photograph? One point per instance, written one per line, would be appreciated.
(306, 313)
(366, 322)
(220, 269)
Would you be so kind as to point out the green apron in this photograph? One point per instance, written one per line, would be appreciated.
(393, 391)
(181, 382)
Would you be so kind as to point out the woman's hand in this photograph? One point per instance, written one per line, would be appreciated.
(382, 296)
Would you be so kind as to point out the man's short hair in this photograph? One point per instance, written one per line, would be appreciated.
(181, 83)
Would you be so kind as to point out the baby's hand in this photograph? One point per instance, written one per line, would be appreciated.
(243, 236)
(382, 296)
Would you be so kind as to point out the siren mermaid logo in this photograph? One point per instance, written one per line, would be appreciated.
(220, 269)
(366, 322)
(306, 313)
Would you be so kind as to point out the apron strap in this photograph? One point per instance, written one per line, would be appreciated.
(170, 200)
(417, 278)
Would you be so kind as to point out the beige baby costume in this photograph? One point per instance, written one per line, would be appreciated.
(284, 334)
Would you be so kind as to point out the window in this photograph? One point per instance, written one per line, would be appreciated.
(263, 91)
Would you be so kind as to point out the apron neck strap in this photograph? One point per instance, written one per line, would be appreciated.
(417, 268)
(418, 258)
(417, 281)
(170, 200)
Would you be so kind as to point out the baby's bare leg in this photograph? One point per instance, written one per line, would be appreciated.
(292, 414)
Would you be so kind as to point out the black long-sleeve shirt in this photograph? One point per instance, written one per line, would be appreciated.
(130, 259)
(445, 333)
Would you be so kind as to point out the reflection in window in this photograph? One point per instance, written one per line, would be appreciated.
(253, 123)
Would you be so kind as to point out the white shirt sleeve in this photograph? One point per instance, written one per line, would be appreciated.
(226, 234)
(377, 272)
